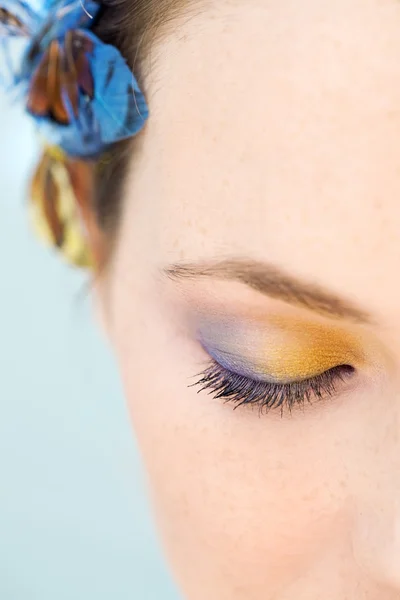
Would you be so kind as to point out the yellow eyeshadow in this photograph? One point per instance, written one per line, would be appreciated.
(292, 349)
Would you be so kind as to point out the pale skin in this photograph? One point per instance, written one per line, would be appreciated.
(274, 136)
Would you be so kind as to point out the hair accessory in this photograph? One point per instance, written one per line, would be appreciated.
(59, 209)
(80, 91)
(83, 97)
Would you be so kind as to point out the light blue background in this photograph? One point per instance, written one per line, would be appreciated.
(74, 520)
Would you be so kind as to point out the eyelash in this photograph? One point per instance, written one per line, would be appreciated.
(240, 390)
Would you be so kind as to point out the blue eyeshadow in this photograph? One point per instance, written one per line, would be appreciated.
(225, 343)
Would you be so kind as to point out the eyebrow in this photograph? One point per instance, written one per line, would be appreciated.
(271, 281)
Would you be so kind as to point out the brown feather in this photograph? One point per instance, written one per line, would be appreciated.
(82, 177)
(61, 71)
(50, 202)
(38, 102)
(54, 84)
(52, 73)
(44, 191)
(68, 75)
(79, 47)
(37, 179)
(45, 92)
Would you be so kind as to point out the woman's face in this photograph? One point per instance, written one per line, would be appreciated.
(260, 246)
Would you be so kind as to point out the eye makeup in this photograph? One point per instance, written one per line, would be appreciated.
(279, 348)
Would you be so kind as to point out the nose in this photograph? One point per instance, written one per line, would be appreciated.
(376, 532)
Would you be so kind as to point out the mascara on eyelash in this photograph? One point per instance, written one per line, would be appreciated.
(233, 388)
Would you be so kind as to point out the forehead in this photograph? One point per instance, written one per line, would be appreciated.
(275, 134)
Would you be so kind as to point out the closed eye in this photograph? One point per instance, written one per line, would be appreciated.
(267, 395)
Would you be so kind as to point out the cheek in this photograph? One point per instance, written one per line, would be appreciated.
(242, 502)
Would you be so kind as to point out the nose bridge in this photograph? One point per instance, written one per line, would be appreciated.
(376, 535)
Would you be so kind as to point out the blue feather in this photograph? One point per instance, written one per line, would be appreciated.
(23, 13)
(117, 109)
(14, 38)
(118, 105)
(43, 9)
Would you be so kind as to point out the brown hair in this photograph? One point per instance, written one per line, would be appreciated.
(133, 26)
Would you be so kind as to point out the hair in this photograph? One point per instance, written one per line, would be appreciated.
(134, 27)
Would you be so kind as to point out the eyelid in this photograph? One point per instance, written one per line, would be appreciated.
(286, 371)
(280, 352)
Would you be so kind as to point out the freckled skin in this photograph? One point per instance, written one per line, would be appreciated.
(275, 134)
